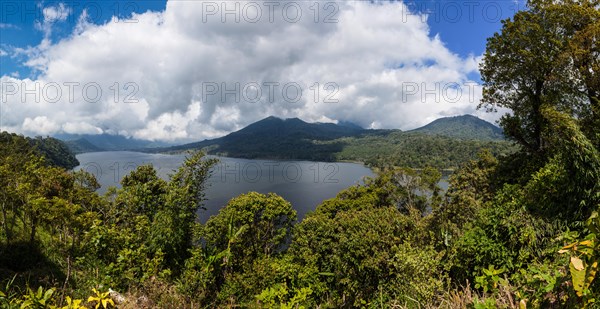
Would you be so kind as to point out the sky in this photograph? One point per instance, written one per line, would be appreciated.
(187, 70)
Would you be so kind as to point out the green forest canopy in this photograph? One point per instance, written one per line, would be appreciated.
(515, 230)
(53, 150)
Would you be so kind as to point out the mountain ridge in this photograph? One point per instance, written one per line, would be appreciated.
(275, 138)
(295, 139)
(291, 138)
(462, 127)
(81, 143)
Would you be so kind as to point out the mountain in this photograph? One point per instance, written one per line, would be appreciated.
(457, 139)
(465, 127)
(275, 138)
(349, 124)
(80, 143)
(444, 143)
(295, 127)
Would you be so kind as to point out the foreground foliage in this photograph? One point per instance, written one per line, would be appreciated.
(515, 230)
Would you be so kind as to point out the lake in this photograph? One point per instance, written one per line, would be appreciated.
(304, 184)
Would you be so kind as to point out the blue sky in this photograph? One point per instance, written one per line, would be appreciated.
(465, 25)
(19, 20)
(386, 64)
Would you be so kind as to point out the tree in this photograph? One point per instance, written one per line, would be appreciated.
(15, 155)
(546, 55)
(581, 22)
(251, 226)
(143, 193)
(543, 66)
(367, 246)
(238, 246)
(174, 224)
(469, 188)
(147, 229)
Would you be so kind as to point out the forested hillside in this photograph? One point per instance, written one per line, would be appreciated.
(416, 150)
(466, 127)
(445, 145)
(274, 138)
(53, 150)
(519, 230)
(82, 145)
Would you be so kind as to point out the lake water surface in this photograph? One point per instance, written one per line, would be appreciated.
(304, 184)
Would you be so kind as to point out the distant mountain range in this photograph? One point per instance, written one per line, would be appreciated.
(466, 127)
(294, 139)
(275, 138)
(81, 143)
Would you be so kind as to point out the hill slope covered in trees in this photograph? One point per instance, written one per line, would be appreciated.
(274, 138)
(55, 152)
(463, 127)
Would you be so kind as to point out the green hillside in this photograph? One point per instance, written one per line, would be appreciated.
(464, 127)
(274, 138)
(53, 150)
(82, 145)
(416, 150)
(294, 139)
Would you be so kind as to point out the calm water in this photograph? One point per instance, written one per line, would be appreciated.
(304, 184)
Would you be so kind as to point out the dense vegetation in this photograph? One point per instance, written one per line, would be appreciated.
(82, 145)
(417, 150)
(53, 150)
(518, 230)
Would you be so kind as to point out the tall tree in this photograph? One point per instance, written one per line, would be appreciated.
(546, 55)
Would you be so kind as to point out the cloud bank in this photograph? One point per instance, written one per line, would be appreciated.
(200, 70)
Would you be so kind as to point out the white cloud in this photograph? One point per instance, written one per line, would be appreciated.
(56, 13)
(40, 125)
(169, 126)
(80, 128)
(51, 15)
(385, 69)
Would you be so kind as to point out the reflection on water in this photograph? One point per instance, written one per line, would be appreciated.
(304, 184)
